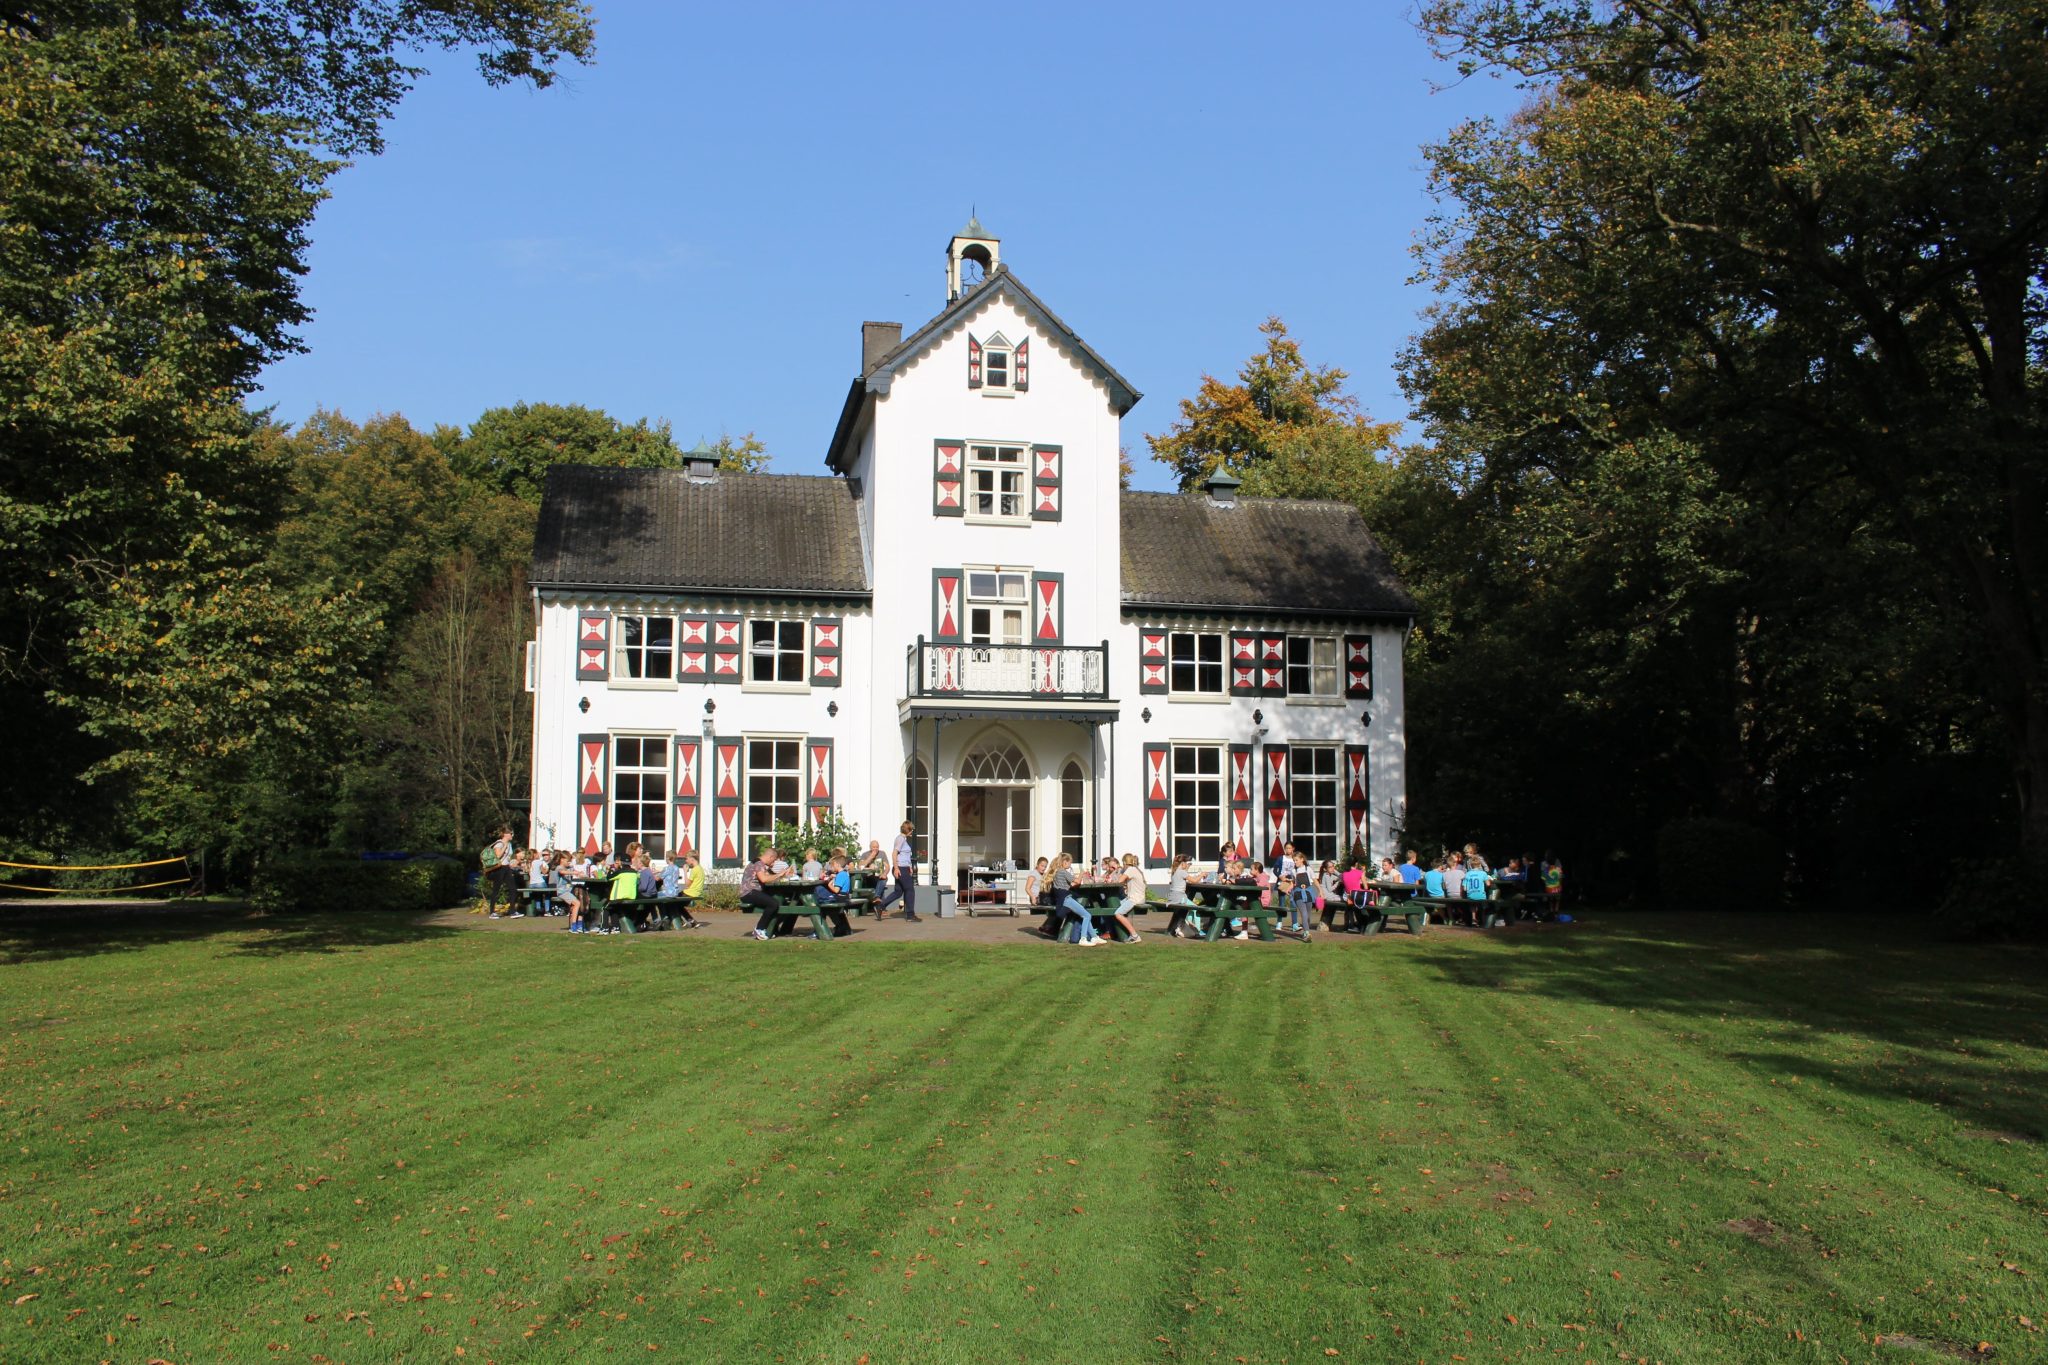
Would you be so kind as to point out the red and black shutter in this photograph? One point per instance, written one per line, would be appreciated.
(825, 635)
(1152, 661)
(1358, 667)
(1045, 483)
(1273, 665)
(726, 641)
(593, 646)
(1277, 789)
(593, 795)
(1241, 780)
(1244, 664)
(948, 473)
(818, 780)
(686, 794)
(1021, 366)
(693, 649)
(1358, 797)
(1048, 608)
(948, 621)
(1158, 807)
(973, 362)
(726, 839)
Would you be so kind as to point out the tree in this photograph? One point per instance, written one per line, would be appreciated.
(159, 169)
(510, 450)
(1790, 250)
(745, 456)
(1280, 411)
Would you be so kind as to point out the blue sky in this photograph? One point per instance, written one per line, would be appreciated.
(694, 227)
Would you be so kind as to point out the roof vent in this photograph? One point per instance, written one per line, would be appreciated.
(1222, 487)
(700, 463)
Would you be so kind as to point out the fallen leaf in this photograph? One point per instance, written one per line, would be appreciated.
(25, 1298)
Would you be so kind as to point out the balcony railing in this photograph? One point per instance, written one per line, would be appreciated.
(1050, 671)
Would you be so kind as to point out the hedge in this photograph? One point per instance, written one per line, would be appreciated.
(325, 882)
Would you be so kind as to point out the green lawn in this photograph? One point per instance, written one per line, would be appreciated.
(1643, 1138)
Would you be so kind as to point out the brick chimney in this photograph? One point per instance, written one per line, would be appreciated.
(877, 339)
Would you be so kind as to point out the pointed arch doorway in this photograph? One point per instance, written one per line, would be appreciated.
(996, 791)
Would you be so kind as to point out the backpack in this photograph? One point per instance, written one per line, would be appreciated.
(489, 857)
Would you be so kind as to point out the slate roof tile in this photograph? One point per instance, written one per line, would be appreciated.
(654, 528)
(1272, 555)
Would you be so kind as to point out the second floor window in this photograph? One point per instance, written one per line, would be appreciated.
(646, 646)
(995, 607)
(1195, 664)
(775, 652)
(1312, 666)
(996, 479)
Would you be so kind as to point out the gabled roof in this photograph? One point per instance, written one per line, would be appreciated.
(1272, 556)
(782, 535)
(882, 373)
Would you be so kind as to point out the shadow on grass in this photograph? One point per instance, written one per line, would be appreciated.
(245, 933)
(1923, 1014)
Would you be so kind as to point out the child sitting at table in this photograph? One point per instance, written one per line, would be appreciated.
(671, 888)
(830, 894)
(1433, 880)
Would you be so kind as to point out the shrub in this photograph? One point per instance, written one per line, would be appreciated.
(1705, 863)
(315, 883)
(1993, 902)
(824, 832)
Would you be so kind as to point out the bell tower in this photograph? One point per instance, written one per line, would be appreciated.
(971, 257)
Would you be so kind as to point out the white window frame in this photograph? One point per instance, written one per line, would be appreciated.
(802, 682)
(1334, 807)
(995, 346)
(1328, 673)
(1222, 666)
(748, 805)
(1075, 841)
(1021, 604)
(657, 838)
(984, 457)
(1197, 844)
(621, 675)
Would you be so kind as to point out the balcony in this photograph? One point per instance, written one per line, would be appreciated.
(1018, 672)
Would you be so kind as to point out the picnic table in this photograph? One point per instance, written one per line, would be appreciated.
(794, 901)
(1396, 902)
(1221, 902)
(661, 911)
(538, 899)
(1100, 900)
(867, 885)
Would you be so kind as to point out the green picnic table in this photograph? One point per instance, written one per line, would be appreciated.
(1100, 900)
(1397, 901)
(1221, 902)
(794, 901)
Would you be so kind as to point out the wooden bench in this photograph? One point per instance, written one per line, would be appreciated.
(1415, 910)
(1491, 913)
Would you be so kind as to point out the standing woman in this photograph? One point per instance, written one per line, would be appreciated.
(905, 863)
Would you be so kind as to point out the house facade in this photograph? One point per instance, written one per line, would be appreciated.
(965, 624)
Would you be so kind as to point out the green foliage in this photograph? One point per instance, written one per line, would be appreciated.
(1993, 900)
(1283, 427)
(822, 832)
(319, 883)
(159, 169)
(1737, 453)
(1705, 863)
(510, 450)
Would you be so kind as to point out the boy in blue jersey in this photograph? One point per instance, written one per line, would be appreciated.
(1433, 881)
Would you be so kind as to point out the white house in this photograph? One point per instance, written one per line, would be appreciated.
(965, 624)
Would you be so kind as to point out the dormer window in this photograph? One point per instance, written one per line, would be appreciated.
(996, 367)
